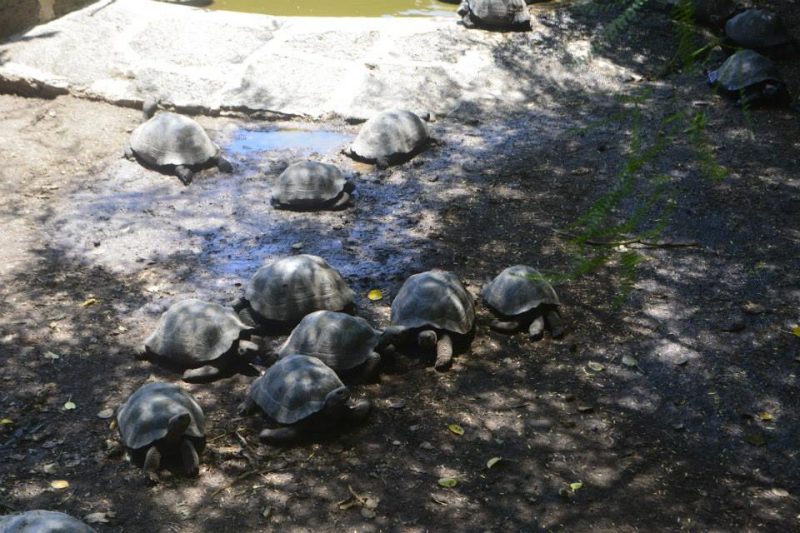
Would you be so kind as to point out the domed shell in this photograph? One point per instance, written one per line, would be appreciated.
(495, 13)
(294, 388)
(40, 521)
(757, 29)
(144, 417)
(517, 290)
(434, 299)
(390, 135)
(744, 69)
(172, 139)
(308, 184)
(290, 288)
(339, 340)
(192, 332)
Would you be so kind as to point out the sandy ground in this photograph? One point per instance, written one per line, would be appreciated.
(673, 403)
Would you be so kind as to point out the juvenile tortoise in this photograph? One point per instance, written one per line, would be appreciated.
(41, 521)
(495, 14)
(174, 143)
(303, 397)
(431, 307)
(311, 185)
(750, 79)
(205, 339)
(288, 289)
(162, 422)
(390, 137)
(522, 298)
(346, 343)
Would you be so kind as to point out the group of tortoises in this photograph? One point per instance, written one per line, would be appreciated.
(306, 391)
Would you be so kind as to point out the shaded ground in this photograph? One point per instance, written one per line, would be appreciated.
(686, 418)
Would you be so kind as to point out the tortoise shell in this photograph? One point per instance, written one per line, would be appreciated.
(40, 521)
(434, 299)
(172, 139)
(517, 290)
(391, 135)
(308, 184)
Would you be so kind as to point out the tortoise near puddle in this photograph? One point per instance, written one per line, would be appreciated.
(309, 185)
(389, 138)
(173, 143)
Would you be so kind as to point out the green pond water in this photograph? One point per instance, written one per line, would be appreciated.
(340, 8)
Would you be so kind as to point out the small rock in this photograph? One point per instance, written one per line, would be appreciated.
(396, 443)
(585, 409)
(753, 308)
(426, 445)
(397, 404)
(297, 246)
(105, 414)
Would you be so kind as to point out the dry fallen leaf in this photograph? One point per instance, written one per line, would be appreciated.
(99, 518)
(88, 302)
(766, 417)
(796, 331)
(493, 461)
(374, 295)
(575, 486)
(597, 367)
(448, 482)
(51, 355)
(6, 421)
(456, 429)
(59, 484)
(70, 405)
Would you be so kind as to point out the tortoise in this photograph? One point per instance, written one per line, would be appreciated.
(751, 79)
(40, 521)
(205, 339)
(521, 297)
(288, 289)
(713, 13)
(162, 421)
(432, 305)
(762, 31)
(390, 137)
(303, 397)
(312, 185)
(345, 343)
(174, 143)
(495, 14)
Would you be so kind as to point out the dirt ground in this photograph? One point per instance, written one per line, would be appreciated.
(673, 406)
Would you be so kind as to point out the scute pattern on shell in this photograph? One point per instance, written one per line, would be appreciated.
(495, 13)
(339, 340)
(40, 521)
(294, 388)
(744, 69)
(192, 332)
(389, 135)
(290, 288)
(308, 183)
(172, 139)
(757, 29)
(434, 299)
(144, 417)
(514, 292)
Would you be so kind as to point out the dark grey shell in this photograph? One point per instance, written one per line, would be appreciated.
(757, 29)
(390, 135)
(744, 69)
(517, 290)
(193, 332)
(435, 299)
(144, 417)
(308, 184)
(292, 287)
(495, 13)
(42, 522)
(172, 139)
(294, 388)
(339, 340)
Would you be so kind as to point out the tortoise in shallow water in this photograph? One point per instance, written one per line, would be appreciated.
(303, 397)
(751, 79)
(390, 137)
(40, 521)
(523, 298)
(432, 306)
(162, 421)
(345, 343)
(205, 339)
(312, 185)
(174, 143)
(495, 14)
(762, 31)
(290, 288)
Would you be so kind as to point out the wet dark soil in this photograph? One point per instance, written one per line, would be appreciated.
(670, 404)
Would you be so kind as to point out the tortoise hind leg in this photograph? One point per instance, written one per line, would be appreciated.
(189, 458)
(505, 326)
(247, 407)
(444, 352)
(279, 436)
(554, 323)
(152, 464)
(203, 374)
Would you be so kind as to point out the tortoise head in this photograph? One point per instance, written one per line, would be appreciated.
(177, 426)
(337, 398)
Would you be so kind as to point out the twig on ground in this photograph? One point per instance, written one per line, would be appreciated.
(649, 244)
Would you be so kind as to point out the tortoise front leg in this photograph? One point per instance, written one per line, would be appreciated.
(342, 201)
(536, 329)
(184, 173)
(152, 464)
(247, 407)
(280, 436)
(444, 352)
(370, 371)
(553, 320)
(189, 458)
